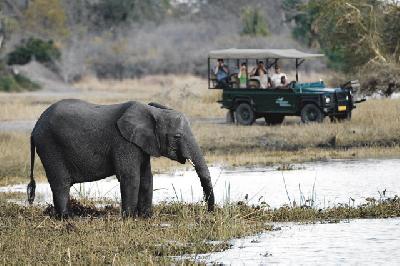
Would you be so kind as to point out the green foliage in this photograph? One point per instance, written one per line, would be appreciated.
(351, 32)
(42, 51)
(16, 83)
(391, 31)
(118, 12)
(254, 23)
(303, 17)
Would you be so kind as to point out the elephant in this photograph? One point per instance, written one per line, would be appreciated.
(80, 142)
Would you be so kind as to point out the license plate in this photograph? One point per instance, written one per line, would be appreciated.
(342, 108)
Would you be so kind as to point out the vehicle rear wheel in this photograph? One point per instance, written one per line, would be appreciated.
(230, 117)
(244, 114)
(311, 113)
(274, 119)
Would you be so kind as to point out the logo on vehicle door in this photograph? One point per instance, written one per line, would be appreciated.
(282, 103)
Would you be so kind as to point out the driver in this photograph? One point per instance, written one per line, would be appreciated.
(278, 79)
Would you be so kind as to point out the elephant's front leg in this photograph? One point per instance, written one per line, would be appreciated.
(129, 183)
(145, 190)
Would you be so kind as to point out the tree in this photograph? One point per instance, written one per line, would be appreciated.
(303, 17)
(254, 23)
(46, 18)
(348, 31)
(107, 13)
(391, 31)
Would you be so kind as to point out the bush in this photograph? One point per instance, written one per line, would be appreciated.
(16, 83)
(254, 23)
(8, 84)
(42, 51)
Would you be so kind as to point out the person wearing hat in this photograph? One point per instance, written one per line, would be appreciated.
(278, 79)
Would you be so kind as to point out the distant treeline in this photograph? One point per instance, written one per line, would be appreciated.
(130, 38)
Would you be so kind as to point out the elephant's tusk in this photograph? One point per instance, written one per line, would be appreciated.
(190, 161)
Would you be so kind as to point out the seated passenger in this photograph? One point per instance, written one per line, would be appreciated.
(242, 75)
(221, 71)
(278, 78)
(260, 73)
(259, 70)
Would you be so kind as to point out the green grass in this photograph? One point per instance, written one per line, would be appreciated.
(100, 236)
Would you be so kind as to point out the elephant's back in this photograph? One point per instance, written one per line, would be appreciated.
(77, 118)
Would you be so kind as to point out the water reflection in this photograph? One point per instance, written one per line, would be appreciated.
(328, 183)
(363, 242)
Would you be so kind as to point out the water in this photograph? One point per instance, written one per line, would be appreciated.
(328, 183)
(373, 241)
(361, 242)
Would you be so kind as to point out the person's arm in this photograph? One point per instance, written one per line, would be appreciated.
(265, 70)
(285, 79)
(216, 70)
(226, 69)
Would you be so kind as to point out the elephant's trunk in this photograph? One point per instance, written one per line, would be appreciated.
(201, 168)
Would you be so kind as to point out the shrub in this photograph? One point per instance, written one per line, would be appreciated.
(42, 51)
(14, 83)
(8, 83)
(254, 23)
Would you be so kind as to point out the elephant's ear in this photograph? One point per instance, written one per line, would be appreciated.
(138, 125)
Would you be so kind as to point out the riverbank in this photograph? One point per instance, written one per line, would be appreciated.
(29, 235)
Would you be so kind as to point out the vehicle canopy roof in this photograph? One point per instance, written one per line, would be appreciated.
(234, 53)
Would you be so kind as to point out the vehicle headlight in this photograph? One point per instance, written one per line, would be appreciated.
(327, 99)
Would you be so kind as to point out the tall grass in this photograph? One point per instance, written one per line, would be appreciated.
(99, 236)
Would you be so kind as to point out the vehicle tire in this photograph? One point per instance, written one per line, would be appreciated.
(230, 117)
(344, 117)
(274, 119)
(311, 113)
(244, 114)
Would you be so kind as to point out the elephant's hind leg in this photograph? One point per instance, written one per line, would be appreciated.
(145, 190)
(59, 178)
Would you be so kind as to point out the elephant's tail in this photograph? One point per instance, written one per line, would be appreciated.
(32, 185)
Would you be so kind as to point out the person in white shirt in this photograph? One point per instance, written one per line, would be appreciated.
(278, 79)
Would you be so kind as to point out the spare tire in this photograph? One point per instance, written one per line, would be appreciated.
(244, 114)
(311, 113)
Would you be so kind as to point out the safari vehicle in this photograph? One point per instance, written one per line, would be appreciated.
(246, 102)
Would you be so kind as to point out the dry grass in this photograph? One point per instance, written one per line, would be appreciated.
(374, 130)
(99, 236)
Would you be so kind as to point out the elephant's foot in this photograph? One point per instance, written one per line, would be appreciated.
(145, 213)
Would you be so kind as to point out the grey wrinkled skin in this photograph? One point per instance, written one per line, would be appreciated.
(83, 142)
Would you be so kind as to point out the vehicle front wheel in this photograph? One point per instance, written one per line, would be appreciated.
(274, 119)
(244, 114)
(311, 113)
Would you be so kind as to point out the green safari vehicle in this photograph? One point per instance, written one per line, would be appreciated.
(246, 98)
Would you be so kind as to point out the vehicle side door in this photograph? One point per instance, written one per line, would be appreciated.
(278, 101)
